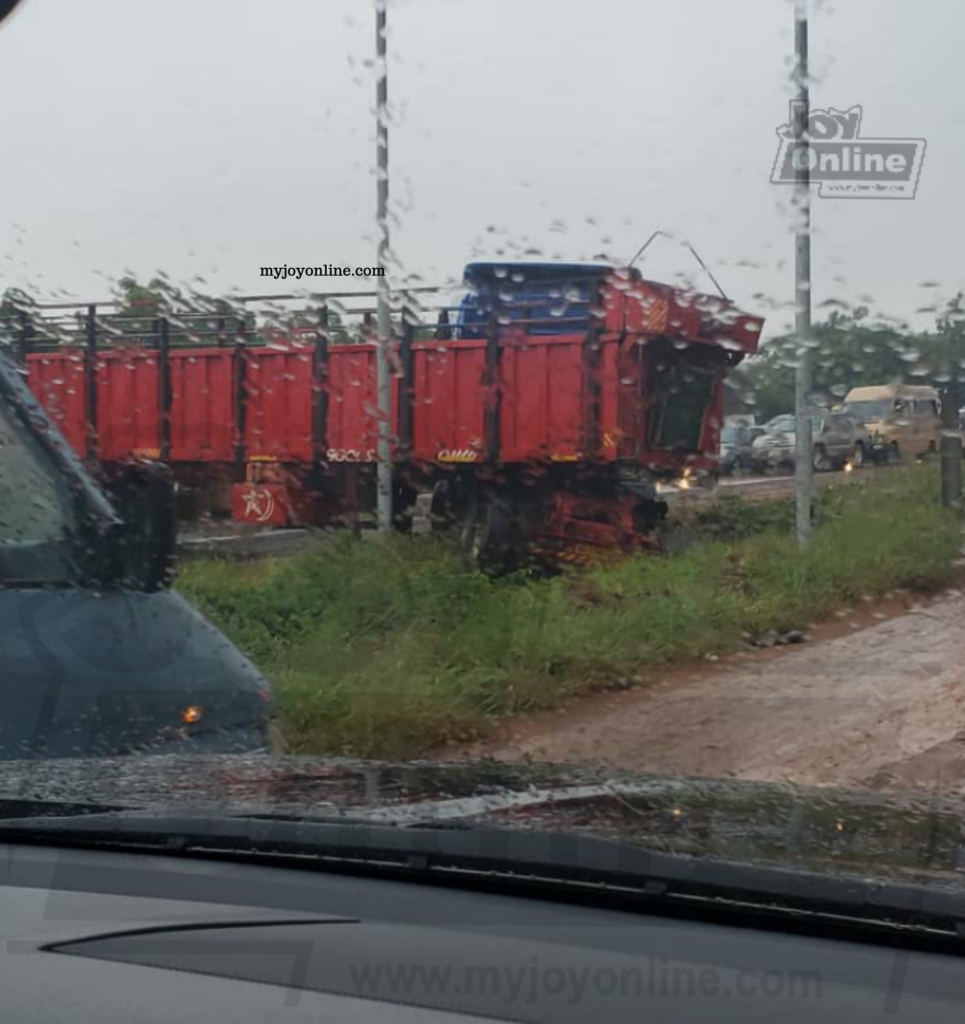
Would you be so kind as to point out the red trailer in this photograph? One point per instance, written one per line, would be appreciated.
(541, 412)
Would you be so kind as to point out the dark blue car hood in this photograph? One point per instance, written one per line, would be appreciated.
(93, 673)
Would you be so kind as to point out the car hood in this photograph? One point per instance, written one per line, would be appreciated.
(838, 831)
(772, 440)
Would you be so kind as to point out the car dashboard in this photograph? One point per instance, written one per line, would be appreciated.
(105, 936)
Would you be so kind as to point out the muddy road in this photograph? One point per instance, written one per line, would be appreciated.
(877, 698)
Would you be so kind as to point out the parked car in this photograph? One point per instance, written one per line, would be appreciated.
(838, 439)
(901, 419)
(737, 447)
(780, 424)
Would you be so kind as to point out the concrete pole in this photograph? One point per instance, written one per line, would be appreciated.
(803, 384)
(951, 449)
(383, 325)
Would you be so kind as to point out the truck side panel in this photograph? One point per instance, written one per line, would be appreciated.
(352, 424)
(58, 382)
(449, 400)
(278, 422)
(543, 396)
(203, 403)
(128, 404)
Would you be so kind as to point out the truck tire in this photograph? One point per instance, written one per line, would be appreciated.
(487, 535)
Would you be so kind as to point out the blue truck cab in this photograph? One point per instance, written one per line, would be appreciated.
(543, 298)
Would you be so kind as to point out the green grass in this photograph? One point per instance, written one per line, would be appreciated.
(391, 648)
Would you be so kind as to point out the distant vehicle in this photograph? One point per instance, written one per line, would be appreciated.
(901, 419)
(838, 439)
(740, 420)
(737, 447)
(780, 424)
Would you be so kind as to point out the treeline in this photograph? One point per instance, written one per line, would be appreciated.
(850, 349)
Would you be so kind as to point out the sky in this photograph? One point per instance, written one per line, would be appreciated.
(209, 138)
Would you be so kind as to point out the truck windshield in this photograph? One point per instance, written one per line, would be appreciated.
(36, 516)
(870, 410)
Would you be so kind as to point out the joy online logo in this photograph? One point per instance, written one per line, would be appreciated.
(846, 165)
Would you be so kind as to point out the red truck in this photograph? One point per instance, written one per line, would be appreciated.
(540, 413)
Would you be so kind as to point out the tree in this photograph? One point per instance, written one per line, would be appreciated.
(849, 351)
(17, 310)
(946, 351)
(194, 317)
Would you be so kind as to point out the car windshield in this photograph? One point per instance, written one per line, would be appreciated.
(781, 425)
(432, 367)
(870, 410)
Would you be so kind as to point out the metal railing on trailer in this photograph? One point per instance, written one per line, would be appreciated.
(250, 321)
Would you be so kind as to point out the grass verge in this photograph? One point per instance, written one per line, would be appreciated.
(391, 648)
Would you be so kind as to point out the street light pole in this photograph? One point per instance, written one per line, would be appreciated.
(803, 383)
(951, 448)
(383, 323)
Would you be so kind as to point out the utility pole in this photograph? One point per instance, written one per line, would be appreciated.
(383, 324)
(803, 383)
(951, 448)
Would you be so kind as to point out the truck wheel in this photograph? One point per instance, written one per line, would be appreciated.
(893, 455)
(487, 535)
(819, 459)
(857, 456)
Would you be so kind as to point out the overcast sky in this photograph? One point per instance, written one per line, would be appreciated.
(207, 138)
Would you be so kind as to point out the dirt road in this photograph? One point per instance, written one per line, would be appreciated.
(882, 704)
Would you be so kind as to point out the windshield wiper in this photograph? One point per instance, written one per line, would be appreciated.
(528, 861)
(14, 808)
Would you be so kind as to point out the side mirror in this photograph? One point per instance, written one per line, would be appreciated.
(141, 550)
